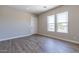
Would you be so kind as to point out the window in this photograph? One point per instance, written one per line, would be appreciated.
(51, 23)
(62, 22)
(58, 22)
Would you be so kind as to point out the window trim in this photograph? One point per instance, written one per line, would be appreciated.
(48, 23)
(67, 24)
(55, 26)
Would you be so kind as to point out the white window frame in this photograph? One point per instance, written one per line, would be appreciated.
(48, 29)
(66, 31)
(55, 23)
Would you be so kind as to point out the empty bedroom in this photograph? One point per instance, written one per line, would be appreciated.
(39, 29)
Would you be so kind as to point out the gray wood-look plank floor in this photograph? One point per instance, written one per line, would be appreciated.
(37, 44)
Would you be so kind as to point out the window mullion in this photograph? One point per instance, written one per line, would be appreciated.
(55, 23)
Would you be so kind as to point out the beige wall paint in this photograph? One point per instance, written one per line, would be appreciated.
(15, 23)
(73, 34)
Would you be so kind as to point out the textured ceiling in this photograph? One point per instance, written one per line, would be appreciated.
(35, 9)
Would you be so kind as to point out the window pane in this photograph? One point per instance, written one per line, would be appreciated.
(62, 27)
(51, 23)
(51, 27)
(62, 22)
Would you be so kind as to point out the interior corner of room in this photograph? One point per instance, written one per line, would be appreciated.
(16, 22)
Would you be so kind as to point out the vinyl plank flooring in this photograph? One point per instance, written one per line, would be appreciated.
(37, 44)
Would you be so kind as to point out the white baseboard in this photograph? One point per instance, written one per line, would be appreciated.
(14, 37)
(72, 41)
(76, 42)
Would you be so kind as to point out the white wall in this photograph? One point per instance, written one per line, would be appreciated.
(34, 24)
(15, 23)
(73, 34)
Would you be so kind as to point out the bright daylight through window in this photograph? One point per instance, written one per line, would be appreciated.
(51, 23)
(58, 22)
